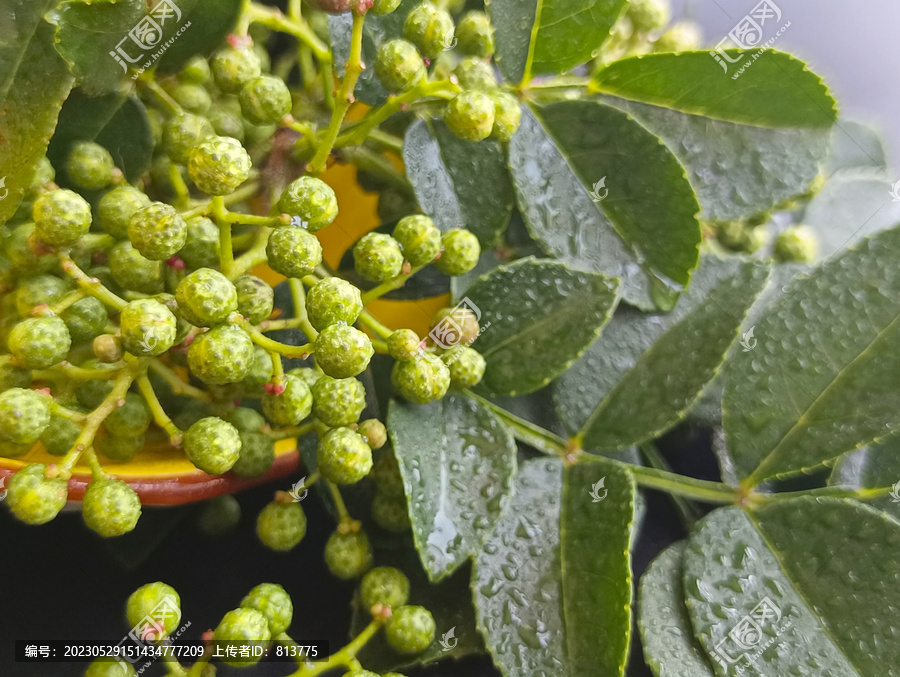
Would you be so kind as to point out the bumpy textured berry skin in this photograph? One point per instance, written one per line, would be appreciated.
(242, 627)
(312, 200)
(293, 252)
(421, 380)
(470, 115)
(461, 252)
(386, 473)
(332, 301)
(89, 165)
(507, 115)
(59, 437)
(182, 133)
(21, 255)
(466, 366)
(219, 516)
(343, 456)
(382, 7)
(419, 239)
(338, 401)
(232, 68)
(410, 629)
(281, 526)
(257, 455)
(222, 355)
(33, 498)
(61, 217)
(374, 433)
(206, 297)
(306, 374)
(265, 100)
(145, 600)
(117, 207)
(475, 35)
(246, 420)
(39, 289)
(797, 243)
(399, 66)
(430, 29)
(192, 97)
(343, 351)
(119, 448)
(404, 344)
(110, 507)
(133, 271)
(148, 328)
(475, 74)
(40, 342)
(378, 257)
(255, 298)
(129, 420)
(157, 231)
(648, 15)
(386, 586)
(390, 512)
(85, 319)
(274, 603)
(260, 373)
(103, 667)
(291, 406)
(201, 245)
(213, 445)
(348, 555)
(219, 165)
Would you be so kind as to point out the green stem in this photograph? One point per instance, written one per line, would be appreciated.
(182, 193)
(687, 512)
(757, 500)
(226, 253)
(254, 256)
(525, 431)
(386, 141)
(346, 657)
(159, 414)
(97, 471)
(179, 386)
(273, 18)
(90, 285)
(389, 286)
(343, 513)
(197, 668)
(161, 96)
(367, 320)
(294, 431)
(376, 163)
(274, 346)
(68, 300)
(68, 414)
(298, 296)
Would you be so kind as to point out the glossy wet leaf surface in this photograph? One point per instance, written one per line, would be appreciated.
(874, 467)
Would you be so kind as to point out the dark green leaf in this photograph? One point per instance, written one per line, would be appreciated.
(211, 21)
(537, 317)
(875, 467)
(624, 390)
(776, 91)
(631, 187)
(18, 23)
(457, 183)
(458, 463)
(808, 586)
(670, 648)
(117, 122)
(821, 380)
(537, 37)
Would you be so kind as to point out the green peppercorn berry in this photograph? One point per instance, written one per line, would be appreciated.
(92, 392)
(219, 516)
(110, 507)
(312, 200)
(682, 36)
(246, 420)
(40, 342)
(147, 599)
(421, 380)
(255, 298)
(274, 603)
(157, 231)
(419, 239)
(386, 586)
(648, 15)
(386, 473)
(293, 252)
(475, 35)
(108, 348)
(201, 245)
(85, 319)
(13, 376)
(192, 97)
(404, 344)
(382, 7)
(89, 165)
(206, 297)
(182, 133)
(399, 66)
(343, 351)
(131, 270)
(333, 301)
(260, 373)
(116, 208)
(222, 355)
(507, 115)
(451, 327)
(34, 498)
(472, 73)
(130, 419)
(378, 257)
(348, 555)
(227, 119)
(232, 68)
(338, 401)
(291, 406)
(281, 526)
(265, 100)
(104, 667)
(23, 254)
(466, 366)
(460, 252)
(59, 437)
(13, 450)
(38, 290)
(410, 629)
(373, 432)
(213, 445)
(797, 243)
(343, 456)
(430, 29)
(196, 69)
(61, 217)
(470, 115)
(306, 374)
(257, 455)
(218, 165)
(119, 447)
(242, 627)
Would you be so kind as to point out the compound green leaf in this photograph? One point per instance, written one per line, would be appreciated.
(20, 21)
(552, 587)
(822, 379)
(537, 37)
(457, 183)
(537, 317)
(785, 591)
(875, 467)
(670, 648)
(624, 390)
(458, 462)
(776, 91)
